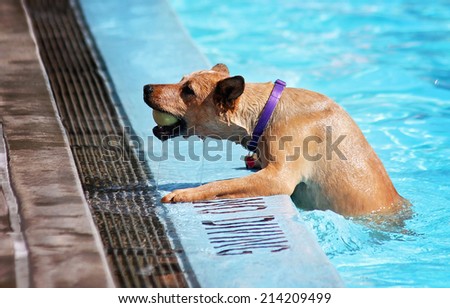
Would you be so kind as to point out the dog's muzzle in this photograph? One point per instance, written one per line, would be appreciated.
(163, 132)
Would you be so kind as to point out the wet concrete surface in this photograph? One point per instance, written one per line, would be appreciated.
(7, 273)
(63, 246)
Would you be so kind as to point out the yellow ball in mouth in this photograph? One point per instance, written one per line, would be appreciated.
(163, 118)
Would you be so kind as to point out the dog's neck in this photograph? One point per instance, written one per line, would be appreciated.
(250, 106)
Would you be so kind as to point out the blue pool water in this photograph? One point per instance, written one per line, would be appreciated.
(386, 63)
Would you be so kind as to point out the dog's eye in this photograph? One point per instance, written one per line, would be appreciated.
(187, 90)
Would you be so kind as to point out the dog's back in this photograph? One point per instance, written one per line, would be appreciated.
(346, 174)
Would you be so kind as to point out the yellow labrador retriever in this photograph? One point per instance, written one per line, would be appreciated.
(308, 146)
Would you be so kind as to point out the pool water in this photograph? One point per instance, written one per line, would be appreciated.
(386, 63)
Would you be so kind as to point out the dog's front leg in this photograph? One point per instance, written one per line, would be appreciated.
(269, 181)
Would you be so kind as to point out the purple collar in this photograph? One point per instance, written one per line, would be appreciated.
(266, 113)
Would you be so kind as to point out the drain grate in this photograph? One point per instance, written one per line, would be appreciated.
(119, 192)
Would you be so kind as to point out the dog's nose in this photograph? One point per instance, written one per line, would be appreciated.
(148, 89)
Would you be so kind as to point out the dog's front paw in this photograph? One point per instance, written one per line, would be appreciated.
(175, 196)
(182, 195)
(168, 198)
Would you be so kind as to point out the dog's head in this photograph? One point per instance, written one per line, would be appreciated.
(201, 102)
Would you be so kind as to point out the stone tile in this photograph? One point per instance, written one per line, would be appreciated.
(7, 270)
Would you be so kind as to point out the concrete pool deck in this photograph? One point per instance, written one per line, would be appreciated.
(47, 237)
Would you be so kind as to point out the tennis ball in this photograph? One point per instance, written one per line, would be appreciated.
(163, 118)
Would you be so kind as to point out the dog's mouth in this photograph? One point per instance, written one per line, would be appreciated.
(168, 125)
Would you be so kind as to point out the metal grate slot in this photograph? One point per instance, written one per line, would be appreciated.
(119, 192)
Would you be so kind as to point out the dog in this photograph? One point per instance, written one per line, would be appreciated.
(348, 179)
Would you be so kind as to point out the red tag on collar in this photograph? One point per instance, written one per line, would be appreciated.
(249, 161)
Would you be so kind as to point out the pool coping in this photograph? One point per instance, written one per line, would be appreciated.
(63, 248)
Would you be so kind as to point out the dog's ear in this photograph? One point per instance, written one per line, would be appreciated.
(227, 91)
(221, 68)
